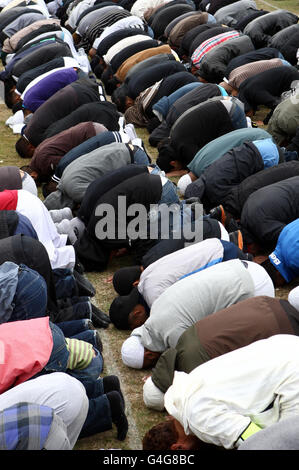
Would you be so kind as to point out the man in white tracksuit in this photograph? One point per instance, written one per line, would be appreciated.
(228, 399)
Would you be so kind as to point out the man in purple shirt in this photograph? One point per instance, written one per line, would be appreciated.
(45, 86)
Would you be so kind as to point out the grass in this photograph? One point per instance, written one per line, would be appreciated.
(140, 418)
(290, 5)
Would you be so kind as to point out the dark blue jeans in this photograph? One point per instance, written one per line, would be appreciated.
(30, 300)
(99, 414)
(92, 371)
(59, 356)
(140, 157)
(73, 327)
(74, 308)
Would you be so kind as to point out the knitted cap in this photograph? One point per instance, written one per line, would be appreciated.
(183, 182)
(132, 352)
(123, 279)
(153, 397)
(263, 284)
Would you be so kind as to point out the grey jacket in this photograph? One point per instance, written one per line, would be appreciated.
(191, 299)
(81, 172)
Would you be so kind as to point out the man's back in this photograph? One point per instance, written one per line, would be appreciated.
(193, 298)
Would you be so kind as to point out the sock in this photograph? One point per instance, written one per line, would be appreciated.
(58, 215)
(117, 415)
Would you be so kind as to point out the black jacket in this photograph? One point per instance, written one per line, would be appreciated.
(198, 126)
(238, 195)
(149, 77)
(264, 27)
(214, 63)
(101, 185)
(118, 35)
(94, 253)
(61, 104)
(41, 55)
(266, 87)
(102, 112)
(127, 52)
(196, 96)
(287, 41)
(243, 22)
(264, 53)
(217, 4)
(163, 16)
(269, 209)
(230, 170)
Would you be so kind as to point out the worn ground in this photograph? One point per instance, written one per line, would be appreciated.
(140, 418)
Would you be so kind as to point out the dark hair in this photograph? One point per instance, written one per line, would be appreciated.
(119, 97)
(8, 92)
(160, 437)
(152, 124)
(271, 270)
(124, 278)
(109, 80)
(166, 155)
(17, 107)
(22, 147)
(49, 188)
(94, 62)
(98, 70)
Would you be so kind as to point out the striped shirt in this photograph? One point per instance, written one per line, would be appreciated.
(124, 23)
(97, 28)
(94, 16)
(209, 44)
(25, 426)
(81, 353)
(238, 75)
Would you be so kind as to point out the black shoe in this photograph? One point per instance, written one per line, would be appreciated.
(99, 318)
(111, 383)
(79, 267)
(218, 213)
(236, 238)
(118, 414)
(85, 287)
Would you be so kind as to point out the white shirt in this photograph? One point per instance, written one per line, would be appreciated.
(167, 270)
(122, 44)
(61, 392)
(141, 6)
(218, 399)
